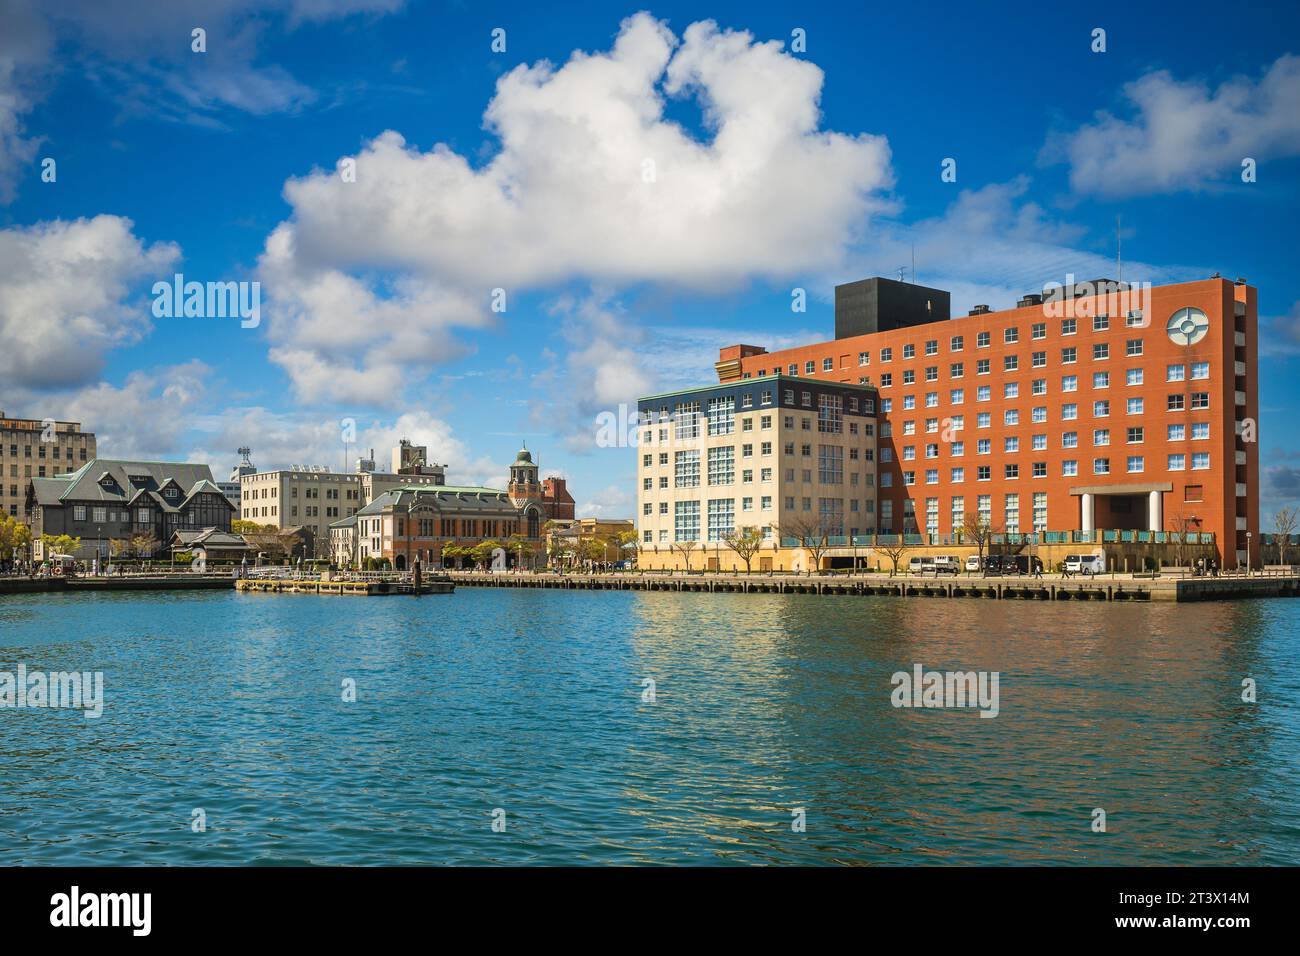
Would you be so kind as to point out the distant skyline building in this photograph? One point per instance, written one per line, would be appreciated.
(37, 448)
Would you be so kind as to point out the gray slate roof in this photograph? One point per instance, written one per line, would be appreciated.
(150, 478)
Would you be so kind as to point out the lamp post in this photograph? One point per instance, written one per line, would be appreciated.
(1248, 536)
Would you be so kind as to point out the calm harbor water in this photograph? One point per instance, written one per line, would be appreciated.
(530, 701)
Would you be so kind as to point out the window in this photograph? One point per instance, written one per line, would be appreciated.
(1135, 435)
(1069, 439)
(1200, 431)
(1175, 373)
(1011, 513)
(1068, 326)
(1070, 468)
(1069, 383)
(828, 365)
(1069, 355)
(1100, 409)
(830, 412)
(686, 521)
(864, 358)
(722, 517)
(1101, 466)
(1133, 347)
(1011, 335)
(1100, 323)
(1011, 471)
(982, 340)
(809, 367)
(1177, 462)
(1100, 351)
(1010, 363)
(1011, 390)
(1134, 406)
(1038, 359)
(830, 464)
(886, 355)
(1135, 463)
(722, 415)
(1200, 370)
(1040, 469)
(1101, 379)
(1133, 376)
(909, 351)
(1101, 436)
(1176, 433)
(1200, 460)
(1175, 403)
(722, 465)
(956, 343)
(686, 469)
(932, 347)
(1038, 330)
(1069, 411)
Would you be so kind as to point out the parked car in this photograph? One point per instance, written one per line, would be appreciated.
(1085, 564)
(973, 562)
(1013, 564)
(919, 565)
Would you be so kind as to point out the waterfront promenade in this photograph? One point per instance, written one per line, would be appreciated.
(1050, 587)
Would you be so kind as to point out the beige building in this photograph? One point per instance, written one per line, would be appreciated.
(313, 497)
(32, 448)
(791, 457)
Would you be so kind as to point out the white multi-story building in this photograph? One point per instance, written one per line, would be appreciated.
(790, 457)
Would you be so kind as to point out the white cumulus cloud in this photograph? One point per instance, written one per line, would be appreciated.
(592, 182)
(1183, 135)
(64, 288)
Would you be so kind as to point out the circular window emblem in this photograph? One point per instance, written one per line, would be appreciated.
(1188, 326)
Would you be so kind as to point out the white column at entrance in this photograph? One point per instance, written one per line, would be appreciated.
(1088, 517)
(1155, 521)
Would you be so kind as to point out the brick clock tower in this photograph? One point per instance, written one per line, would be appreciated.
(524, 486)
(552, 494)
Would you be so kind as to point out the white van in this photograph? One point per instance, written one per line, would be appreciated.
(919, 565)
(1085, 564)
(972, 562)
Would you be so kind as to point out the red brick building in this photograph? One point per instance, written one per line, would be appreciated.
(1097, 406)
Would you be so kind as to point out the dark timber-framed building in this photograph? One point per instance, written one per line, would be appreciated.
(110, 499)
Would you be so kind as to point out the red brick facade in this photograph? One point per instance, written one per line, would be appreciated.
(1020, 356)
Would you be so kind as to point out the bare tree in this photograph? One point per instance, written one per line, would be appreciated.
(684, 548)
(1181, 526)
(746, 542)
(979, 530)
(1284, 525)
(893, 552)
(810, 534)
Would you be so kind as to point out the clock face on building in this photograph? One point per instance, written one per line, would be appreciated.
(1188, 326)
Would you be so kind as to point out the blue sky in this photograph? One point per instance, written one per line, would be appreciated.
(526, 170)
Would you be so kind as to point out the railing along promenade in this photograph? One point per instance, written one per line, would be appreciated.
(1177, 586)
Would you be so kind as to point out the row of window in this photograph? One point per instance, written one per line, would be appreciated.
(1134, 435)
(56, 454)
(957, 343)
(1136, 464)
